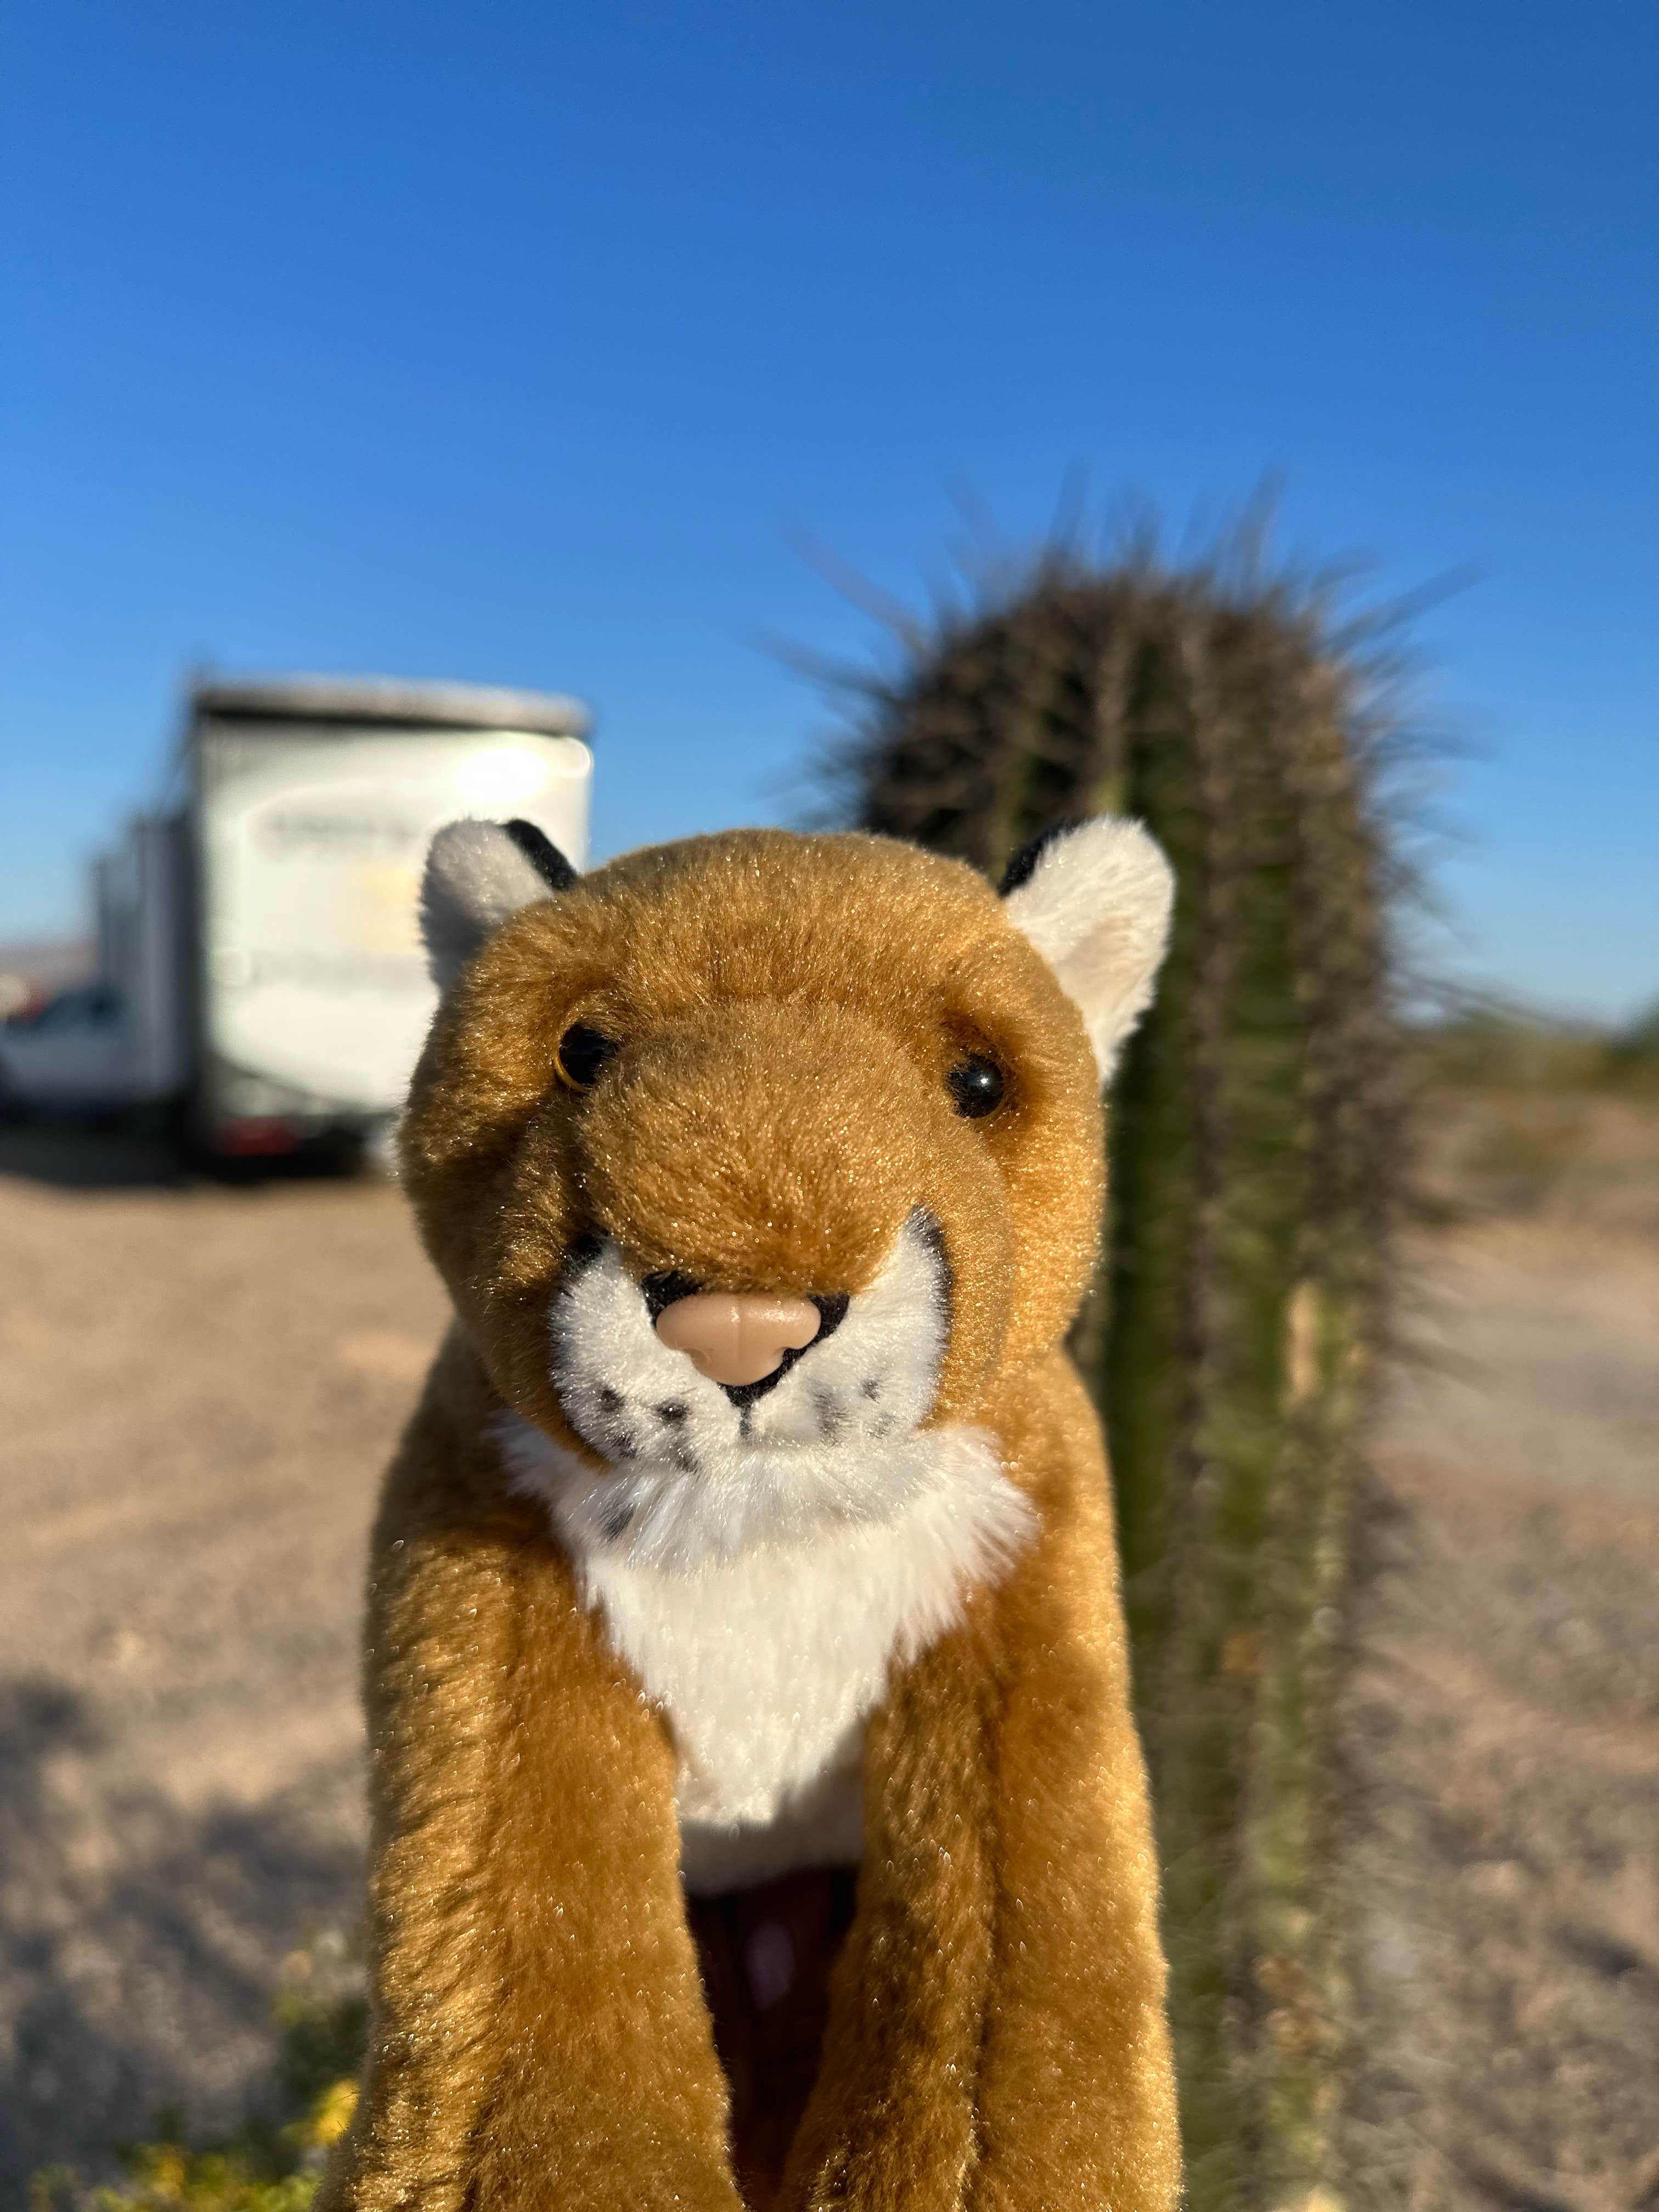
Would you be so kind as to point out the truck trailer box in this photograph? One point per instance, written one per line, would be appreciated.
(311, 804)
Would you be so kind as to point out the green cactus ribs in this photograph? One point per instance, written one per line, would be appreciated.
(1254, 1151)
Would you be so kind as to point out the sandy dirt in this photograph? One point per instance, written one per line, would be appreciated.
(198, 1387)
(1500, 1730)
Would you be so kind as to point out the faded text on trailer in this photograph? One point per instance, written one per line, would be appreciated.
(262, 945)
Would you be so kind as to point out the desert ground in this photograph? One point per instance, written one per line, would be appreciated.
(1499, 1738)
(199, 1384)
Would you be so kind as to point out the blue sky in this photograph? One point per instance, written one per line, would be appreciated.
(522, 342)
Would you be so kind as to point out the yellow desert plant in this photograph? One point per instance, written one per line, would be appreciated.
(274, 2161)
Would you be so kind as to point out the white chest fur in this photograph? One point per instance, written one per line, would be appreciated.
(767, 1663)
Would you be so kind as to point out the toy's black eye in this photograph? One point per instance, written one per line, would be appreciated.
(582, 1053)
(977, 1085)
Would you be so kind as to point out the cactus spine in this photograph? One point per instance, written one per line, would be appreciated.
(1253, 1152)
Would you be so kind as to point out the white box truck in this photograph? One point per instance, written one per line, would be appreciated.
(260, 969)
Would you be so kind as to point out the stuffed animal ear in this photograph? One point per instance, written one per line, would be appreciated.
(1094, 900)
(478, 874)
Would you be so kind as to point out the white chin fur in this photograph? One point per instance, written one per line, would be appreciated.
(690, 1477)
(761, 1572)
(767, 1663)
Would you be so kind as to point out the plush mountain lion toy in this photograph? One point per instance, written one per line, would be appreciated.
(758, 1817)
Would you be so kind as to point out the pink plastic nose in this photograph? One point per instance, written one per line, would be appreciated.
(735, 1339)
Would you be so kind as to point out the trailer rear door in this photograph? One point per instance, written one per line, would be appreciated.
(311, 843)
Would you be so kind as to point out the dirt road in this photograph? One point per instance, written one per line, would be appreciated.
(1502, 1738)
(198, 1388)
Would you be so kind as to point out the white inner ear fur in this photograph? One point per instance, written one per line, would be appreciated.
(1096, 907)
(475, 879)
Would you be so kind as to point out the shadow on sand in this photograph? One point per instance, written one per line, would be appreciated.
(79, 1156)
(140, 1944)
(74, 1158)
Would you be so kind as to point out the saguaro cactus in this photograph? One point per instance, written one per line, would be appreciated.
(1253, 1152)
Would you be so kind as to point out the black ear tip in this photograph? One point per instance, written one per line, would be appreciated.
(543, 854)
(1024, 865)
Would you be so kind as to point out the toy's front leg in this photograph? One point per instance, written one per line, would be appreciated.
(997, 2041)
(539, 2036)
(893, 2122)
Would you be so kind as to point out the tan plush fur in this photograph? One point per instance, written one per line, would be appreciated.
(790, 1010)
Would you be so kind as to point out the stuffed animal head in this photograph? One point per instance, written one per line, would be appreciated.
(741, 1155)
